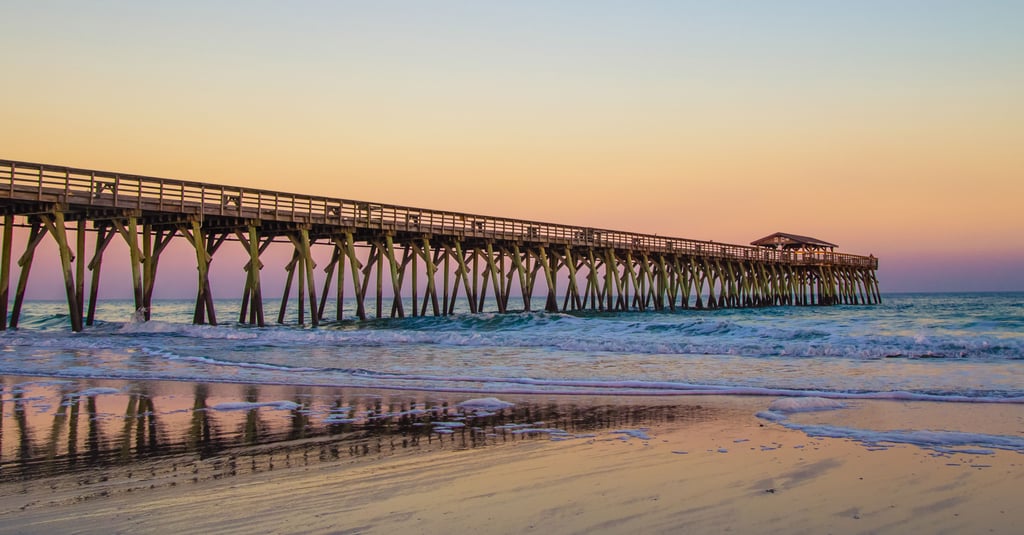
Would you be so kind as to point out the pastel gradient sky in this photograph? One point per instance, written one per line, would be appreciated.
(889, 127)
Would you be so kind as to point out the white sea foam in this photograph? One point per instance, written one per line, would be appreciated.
(944, 441)
(485, 404)
(169, 355)
(805, 404)
(333, 419)
(245, 405)
(539, 431)
(940, 441)
(98, 391)
(450, 425)
(772, 416)
(632, 433)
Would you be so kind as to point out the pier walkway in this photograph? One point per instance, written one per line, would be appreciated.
(424, 258)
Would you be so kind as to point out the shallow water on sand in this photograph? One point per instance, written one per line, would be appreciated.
(52, 427)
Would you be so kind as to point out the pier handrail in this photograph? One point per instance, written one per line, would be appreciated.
(26, 181)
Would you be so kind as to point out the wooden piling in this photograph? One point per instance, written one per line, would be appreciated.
(355, 266)
(290, 269)
(79, 267)
(59, 232)
(35, 236)
(396, 284)
(309, 265)
(104, 233)
(5, 268)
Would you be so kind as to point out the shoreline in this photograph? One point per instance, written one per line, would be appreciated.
(625, 389)
(658, 465)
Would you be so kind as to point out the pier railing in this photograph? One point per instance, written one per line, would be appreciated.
(85, 188)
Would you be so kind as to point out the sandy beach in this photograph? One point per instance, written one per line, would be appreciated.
(699, 465)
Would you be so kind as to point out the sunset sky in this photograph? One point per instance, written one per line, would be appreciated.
(894, 128)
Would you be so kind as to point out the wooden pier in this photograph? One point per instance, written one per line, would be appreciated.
(426, 259)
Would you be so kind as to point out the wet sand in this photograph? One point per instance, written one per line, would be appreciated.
(703, 465)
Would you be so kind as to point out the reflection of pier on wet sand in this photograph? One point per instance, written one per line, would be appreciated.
(111, 437)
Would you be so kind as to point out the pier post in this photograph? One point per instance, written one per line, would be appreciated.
(154, 241)
(552, 301)
(572, 291)
(340, 296)
(593, 282)
(381, 255)
(517, 264)
(130, 235)
(290, 268)
(476, 297)
(431, 291)
(446, 269)
(104, 233)
(80, 267)
(417, 254)
(646, 277)
(504, 275)
(611, 279)
(252, 295)
(492, 268)
(5, 268)
(396, 283)
(355, 266)
(35, 235)
(328, 279)
(462, 271)
(664, 286)
(533, 265)
(339, 247)
(56, 227)
(205, 246)
(307, 261)
(698, 278)
(408, 257)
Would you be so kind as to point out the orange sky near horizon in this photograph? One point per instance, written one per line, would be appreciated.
(889, 129)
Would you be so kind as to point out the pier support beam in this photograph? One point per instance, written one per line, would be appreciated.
(154, 241)
(336, 256)
(104, 233)
(307, 261)
(550, 268)
(204, 246)
(5, 268)
(302, 262)
(252, 295)
(130, 234)
(35, 235)
(355, 266)
(431, 291)
(55, 224)
(396, 279)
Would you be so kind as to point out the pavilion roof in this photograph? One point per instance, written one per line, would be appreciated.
(791, 241)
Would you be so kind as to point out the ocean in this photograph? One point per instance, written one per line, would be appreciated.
(942, 347)
(128, 389)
